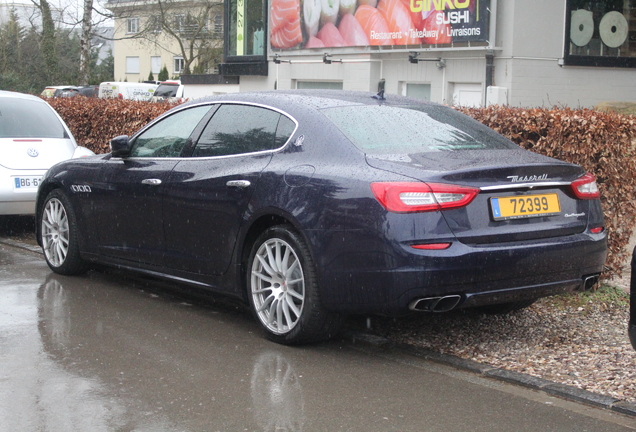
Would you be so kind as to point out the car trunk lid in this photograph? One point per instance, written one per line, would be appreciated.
(34, 153)
(505, 179)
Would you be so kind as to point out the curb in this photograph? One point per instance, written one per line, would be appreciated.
(21, 245)
(563, 391)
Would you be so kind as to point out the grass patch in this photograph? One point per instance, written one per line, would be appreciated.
(624, 108)
(605, 295)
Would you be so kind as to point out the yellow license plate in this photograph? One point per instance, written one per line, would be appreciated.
(524, 206)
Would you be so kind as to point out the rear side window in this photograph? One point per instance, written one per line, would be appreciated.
(284, 130)
(21, 118)
(236, 129)
(381, 129)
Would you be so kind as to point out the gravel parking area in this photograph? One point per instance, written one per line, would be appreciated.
(579, 340)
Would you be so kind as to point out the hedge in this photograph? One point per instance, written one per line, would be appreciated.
(601, 142)
(95, 121)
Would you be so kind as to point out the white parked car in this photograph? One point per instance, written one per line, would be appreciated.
(169, 91)
(33, 138)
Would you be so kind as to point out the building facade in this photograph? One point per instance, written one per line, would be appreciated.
(469, 52)
(151, 34)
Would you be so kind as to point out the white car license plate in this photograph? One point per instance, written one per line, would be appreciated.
(26, 183)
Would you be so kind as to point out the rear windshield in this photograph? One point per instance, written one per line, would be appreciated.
(381, 129)
(21, 118)
(167, 90)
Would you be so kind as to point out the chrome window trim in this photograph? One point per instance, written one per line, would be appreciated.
(210, 103)
(524, 185)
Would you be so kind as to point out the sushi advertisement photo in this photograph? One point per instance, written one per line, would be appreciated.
(304, 24)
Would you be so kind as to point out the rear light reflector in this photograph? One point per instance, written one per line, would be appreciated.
(432, 246)
(585, 187)
(597, 230)
(410, 197)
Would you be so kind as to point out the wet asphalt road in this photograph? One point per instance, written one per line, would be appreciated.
(111, 352)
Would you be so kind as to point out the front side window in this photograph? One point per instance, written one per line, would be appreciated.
(600, 33)
(237, 129)
(28, 119)
(168, 137)
(132, 25)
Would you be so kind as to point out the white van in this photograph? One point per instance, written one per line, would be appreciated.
(127, 90)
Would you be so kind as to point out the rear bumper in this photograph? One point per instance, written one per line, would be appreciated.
(385, 280)
(17, 207)
(15, 201)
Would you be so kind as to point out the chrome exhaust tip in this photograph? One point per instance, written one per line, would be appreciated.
(589, 282)
(435, 304)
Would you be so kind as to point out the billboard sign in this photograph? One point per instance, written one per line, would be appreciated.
(303, 24)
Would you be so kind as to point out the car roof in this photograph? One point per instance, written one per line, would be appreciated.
(316, 99)
(16, 95)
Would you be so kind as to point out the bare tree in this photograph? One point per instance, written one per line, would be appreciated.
(85, 42)
(87, 19)
(48, 39)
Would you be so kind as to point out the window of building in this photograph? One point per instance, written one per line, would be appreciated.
(218, 25)
(246, 28)
(155, 64)
(155, 24)
(417, 91)
(321, 85)
(132, 25)
(179, 22)
(600, 33)
(179, 64)
(132, 65)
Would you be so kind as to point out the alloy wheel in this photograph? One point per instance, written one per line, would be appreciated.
(277, 286)
(55, 232)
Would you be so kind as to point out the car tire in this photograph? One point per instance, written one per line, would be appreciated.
(59, 235)
(504, 308)
(283, 291)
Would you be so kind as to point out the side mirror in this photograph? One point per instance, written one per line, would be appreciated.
(120, 146)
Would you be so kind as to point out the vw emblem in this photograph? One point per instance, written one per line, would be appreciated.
(33, 152)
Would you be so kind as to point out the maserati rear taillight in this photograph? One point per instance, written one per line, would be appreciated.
(408, 197)
(585, 187)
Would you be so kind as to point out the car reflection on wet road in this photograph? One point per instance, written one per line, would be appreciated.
(106, 352)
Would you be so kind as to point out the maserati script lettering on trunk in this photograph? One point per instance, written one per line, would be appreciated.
(518, 179)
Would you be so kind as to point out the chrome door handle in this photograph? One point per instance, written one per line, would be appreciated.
(152, 182)
(239, 183)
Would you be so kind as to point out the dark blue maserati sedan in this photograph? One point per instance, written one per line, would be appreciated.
(311, 205)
